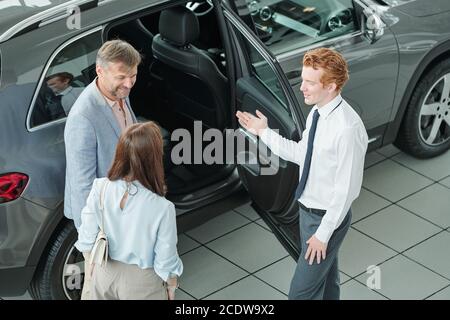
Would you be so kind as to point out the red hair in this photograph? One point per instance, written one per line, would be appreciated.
(333, 64)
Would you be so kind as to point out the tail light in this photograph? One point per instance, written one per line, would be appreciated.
(12, 186)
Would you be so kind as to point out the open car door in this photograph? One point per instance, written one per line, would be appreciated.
(260, 84)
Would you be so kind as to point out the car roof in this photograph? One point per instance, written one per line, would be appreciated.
(12, 12)
(17, 16)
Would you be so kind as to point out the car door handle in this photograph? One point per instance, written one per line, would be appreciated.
(248, 135)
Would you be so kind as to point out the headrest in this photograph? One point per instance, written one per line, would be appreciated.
(179, 26)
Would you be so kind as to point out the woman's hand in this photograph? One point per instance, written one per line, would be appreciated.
(171, 286)
(171, 292)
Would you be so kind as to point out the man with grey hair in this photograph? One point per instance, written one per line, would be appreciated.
(98, 117)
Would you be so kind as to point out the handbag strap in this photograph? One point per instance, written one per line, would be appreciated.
(102, 204)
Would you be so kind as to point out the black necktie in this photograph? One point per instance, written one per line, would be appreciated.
(309, 151)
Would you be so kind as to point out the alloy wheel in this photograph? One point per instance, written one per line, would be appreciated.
(434, 118)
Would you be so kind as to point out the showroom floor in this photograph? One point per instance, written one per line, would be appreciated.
(400, 223)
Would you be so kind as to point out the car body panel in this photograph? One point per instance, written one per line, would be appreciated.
(13, 11)
(45, 167)
(16, 241)
(105, 11)
(420, 8)
(417, 42)
(15, 281)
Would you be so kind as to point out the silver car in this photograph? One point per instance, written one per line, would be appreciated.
(203, 60)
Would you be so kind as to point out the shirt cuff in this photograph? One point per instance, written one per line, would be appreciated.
(323, 234)
(264, 134)
(165, 275)
(172, 266)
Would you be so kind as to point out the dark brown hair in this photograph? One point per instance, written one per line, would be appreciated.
(139, 156)
(332, 62)
(61, 75)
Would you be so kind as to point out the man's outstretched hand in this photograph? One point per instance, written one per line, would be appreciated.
(251, 123)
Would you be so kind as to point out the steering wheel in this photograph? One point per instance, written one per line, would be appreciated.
(198, 7)
(339, 20)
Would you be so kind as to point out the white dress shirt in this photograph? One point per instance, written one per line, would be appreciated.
(337, 162)
(143, 233)
(69, 96)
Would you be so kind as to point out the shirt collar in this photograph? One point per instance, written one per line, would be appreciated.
(329, 107)
(110, 102)
(65, 91)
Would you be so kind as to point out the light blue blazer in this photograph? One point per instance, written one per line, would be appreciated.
(91, 135)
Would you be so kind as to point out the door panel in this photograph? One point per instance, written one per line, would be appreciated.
(252, 95)
(262, 86)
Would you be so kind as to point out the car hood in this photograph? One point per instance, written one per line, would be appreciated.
(420, 8)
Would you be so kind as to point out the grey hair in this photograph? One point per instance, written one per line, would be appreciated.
(118, 51)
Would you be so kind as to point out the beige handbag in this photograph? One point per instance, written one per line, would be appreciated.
(99, 253)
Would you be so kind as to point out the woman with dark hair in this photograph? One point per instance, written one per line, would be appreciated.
(139, 222)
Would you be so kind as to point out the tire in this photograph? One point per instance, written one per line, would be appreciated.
(425, 129)
(60, 273)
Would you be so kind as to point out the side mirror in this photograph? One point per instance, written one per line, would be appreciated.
(372, 27)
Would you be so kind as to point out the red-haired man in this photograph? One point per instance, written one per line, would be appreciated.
(331, 158)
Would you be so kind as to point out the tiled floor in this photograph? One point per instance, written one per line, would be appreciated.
(401, 223)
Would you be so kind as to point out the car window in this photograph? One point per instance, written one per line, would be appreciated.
(71, 70)
(263, 72)
(286, 25)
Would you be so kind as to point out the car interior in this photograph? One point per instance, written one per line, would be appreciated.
(284, 25)
(181, 79)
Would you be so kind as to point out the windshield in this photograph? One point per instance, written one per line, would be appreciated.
(285, 25)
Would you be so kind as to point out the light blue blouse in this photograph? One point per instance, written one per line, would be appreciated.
(144, 233)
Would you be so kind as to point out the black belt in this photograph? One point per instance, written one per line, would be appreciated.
(319, 212)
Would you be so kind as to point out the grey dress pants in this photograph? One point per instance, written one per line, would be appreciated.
(318, 281)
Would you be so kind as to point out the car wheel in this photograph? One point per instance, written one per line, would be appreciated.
(425, 130)
(60, 273)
